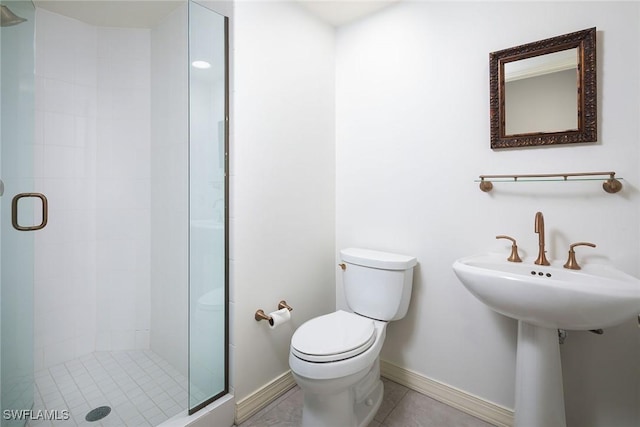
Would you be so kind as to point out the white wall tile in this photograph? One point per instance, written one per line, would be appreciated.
(38, 137)
(142, 339)
(103, 340)
(86, 135)
(75, 128)
(84, 101)
(59, 161)
(122, 166)
(59, 129)
(57, 96)
(85, 71)
(59, 352)
(85, 344)
(122, 339)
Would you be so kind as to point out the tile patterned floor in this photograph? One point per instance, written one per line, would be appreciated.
(142, 389)
(400, 407)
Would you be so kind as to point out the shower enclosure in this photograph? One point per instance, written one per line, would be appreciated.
(113, 219)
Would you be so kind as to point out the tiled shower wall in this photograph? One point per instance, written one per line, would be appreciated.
(122, 189)
(92, 161)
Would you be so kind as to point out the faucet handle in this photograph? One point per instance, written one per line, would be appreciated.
(571, 263)
(514, 257)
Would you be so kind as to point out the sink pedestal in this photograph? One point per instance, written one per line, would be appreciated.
(539, 391)
(598, 296)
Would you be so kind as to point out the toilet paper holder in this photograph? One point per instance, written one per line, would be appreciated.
(261, 315)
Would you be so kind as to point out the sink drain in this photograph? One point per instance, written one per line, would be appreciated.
(98, 413)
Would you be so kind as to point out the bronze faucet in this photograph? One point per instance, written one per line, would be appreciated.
(571, 263)
(514, 257)
(539, 228)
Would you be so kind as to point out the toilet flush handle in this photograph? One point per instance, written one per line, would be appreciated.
(343, 266)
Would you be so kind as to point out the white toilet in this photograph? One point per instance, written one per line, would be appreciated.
(335, 358)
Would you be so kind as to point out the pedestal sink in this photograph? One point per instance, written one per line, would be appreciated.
(544, 299)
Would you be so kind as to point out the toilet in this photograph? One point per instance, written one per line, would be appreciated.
(334, 358)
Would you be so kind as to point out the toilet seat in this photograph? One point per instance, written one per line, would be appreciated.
(333, 337)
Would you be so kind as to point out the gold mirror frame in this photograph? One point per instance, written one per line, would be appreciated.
(585, 42)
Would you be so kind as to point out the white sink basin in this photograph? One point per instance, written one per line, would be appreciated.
(598, 296)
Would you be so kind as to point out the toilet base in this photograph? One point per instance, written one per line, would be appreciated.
(367, 409)
(353, 406)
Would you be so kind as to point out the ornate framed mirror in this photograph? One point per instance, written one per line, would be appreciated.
(544, 93)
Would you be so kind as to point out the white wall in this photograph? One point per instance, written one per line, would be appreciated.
(412, 134)
(282, 182)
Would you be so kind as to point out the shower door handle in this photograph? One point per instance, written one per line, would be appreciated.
(14, 211)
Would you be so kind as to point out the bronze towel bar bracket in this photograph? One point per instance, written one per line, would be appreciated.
(611, 184)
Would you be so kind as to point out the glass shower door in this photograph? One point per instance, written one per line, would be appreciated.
(16, 247)
(208, 284)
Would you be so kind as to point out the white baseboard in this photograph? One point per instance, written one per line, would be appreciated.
(262, 397)
(468, 403)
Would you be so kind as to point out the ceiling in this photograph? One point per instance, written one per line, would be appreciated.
(340, 12)
(112, 13)
(147, 13)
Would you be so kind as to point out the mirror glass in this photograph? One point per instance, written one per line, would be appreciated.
(544, 92)
(534, 84)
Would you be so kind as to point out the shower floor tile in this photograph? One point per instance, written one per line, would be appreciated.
(142, 389)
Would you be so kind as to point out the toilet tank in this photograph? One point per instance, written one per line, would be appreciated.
(377, 284)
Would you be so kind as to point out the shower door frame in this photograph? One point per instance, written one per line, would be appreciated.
(226, 134)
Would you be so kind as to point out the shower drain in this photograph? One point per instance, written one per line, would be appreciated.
(98, 413)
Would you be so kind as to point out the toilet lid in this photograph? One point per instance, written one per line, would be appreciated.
(332, 337)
